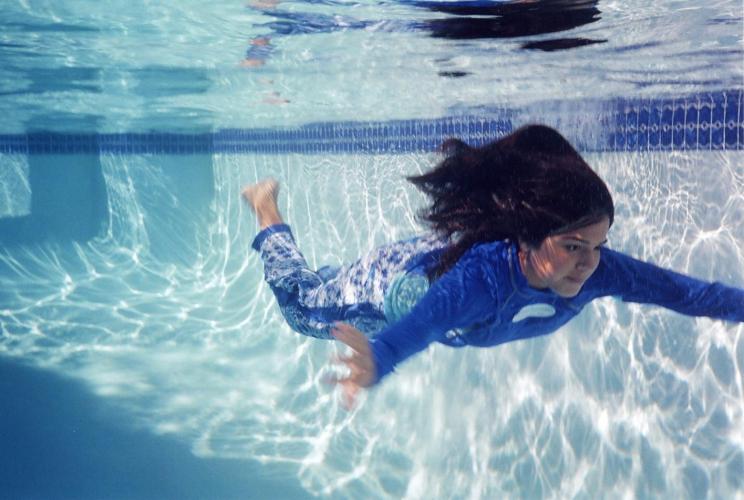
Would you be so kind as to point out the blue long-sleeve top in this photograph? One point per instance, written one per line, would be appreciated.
(485, 300)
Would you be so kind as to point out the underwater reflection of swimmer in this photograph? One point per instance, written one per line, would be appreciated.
(516, 250)
(255, 57)
(263, 4)
(463, 20)
(483, 20)
(259, 50)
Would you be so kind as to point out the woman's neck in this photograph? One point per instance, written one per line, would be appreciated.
(525, 265)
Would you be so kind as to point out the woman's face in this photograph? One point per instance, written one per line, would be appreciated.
(563, 262)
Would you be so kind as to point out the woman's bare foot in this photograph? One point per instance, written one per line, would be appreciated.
(262, 199)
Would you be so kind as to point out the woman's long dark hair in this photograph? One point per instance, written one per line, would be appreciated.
(523, 187)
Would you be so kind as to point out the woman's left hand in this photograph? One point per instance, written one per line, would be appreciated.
(360, 363)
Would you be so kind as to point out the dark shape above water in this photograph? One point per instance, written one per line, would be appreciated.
(478, 20)
(560, 44)
(460, 21)
(453, 74)
(515, 7)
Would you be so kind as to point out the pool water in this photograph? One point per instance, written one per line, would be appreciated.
(167, 66)
(126, 134)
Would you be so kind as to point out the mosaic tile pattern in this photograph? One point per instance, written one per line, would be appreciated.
(706, 121)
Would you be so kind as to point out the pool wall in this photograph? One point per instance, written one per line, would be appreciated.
(705, 121)
(165, 314)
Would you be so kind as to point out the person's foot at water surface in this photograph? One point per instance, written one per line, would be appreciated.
(262, 199)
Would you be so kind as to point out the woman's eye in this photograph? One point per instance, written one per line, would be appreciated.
(572, 248)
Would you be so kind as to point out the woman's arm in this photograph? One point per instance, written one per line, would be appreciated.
(637, 281)
(458, 299)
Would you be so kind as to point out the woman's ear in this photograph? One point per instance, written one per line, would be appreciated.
(525, 247)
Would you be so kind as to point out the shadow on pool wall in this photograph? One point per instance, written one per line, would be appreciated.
(70, 202)
(59, 441)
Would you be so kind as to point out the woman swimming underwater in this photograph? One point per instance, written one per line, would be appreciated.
(516, 250)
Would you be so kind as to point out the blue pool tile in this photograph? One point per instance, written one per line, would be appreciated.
(705, 122)
(719, 106)
(13, 144)
(691, 125)
(666, 124)
(740, 122)
(643, 127)
(655, 124)
(701, 121)
(678, 125)
(718, 121)
(631, 129)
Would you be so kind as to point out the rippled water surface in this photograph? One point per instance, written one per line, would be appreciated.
(129, 66)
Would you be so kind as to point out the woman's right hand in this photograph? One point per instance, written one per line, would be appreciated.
(361, 365)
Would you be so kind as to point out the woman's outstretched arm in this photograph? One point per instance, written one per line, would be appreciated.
(636, 281)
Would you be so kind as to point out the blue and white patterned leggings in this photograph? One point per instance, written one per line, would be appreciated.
(311, 301)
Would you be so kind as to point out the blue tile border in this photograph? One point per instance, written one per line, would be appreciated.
(705, 121)
(712, 121)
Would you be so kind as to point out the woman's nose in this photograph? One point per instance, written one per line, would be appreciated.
(586, 260)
